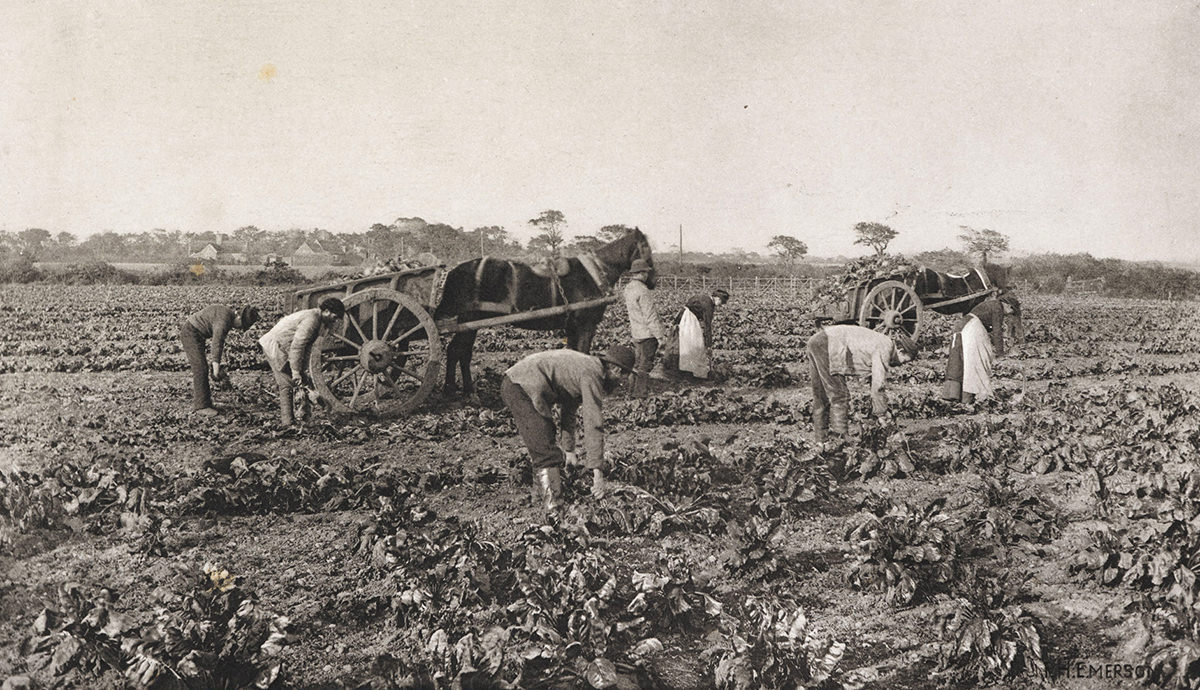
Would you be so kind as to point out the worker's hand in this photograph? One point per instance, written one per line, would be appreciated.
(297, 381)
(572, 458)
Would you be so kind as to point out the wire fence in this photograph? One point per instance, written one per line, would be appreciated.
(778, 285)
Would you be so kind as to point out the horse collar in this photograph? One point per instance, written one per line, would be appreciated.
(592, 265)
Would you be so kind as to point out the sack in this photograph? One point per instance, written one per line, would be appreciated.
(693, 356)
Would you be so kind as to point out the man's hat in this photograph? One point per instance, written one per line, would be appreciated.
(620, 355)
(249, 316)
(639, 266)
(722, 293)
(334, 305)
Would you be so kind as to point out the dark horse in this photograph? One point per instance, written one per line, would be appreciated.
(947, 286)
(486, 287)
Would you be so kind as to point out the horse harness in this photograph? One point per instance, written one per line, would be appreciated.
(551, 270)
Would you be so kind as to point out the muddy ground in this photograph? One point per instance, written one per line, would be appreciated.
(302, 564)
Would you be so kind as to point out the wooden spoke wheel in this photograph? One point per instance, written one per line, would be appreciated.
(384, 358)
(891, 306)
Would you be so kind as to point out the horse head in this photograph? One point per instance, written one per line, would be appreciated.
(620, 254)
(641, 248)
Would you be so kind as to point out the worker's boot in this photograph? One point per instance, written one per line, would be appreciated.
(839, 419)
(548, 483)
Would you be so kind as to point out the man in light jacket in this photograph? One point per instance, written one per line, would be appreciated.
(645, 325)
(287, 347)
(836, 352)
(576, 383)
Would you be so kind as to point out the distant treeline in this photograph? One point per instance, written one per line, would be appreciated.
(1041, 273)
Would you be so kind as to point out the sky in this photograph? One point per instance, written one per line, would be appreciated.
(1067, 125)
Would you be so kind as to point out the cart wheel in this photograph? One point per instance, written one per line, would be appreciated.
(384, 358)
(891, 306)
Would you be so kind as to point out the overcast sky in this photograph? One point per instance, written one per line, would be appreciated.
(1068, 125)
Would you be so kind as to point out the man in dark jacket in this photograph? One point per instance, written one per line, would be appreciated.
(576, 383)
(704, 307)
(990, 314)
(213, 321)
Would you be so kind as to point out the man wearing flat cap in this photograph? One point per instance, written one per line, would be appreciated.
(645, 325)
(577, 383)
(213, 321)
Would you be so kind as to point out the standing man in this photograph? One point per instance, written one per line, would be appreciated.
(645, 326)
(287, 347)
(576, 383)
(836, 352)
(213, 321)
(694, 324)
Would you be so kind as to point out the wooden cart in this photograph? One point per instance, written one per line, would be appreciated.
(386, 356)
(899, 302)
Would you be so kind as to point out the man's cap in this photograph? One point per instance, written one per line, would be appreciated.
(905, 343)
(639, 266)
(722, 293)
(249, 316)
(334, 305)
(620, 355)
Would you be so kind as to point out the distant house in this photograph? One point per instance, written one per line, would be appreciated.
(220, 254)
(313, 253)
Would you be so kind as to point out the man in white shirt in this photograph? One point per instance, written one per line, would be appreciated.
(645, 325)
(836, 352)
(287, 347)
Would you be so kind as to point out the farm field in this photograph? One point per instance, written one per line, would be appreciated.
(1054, 525)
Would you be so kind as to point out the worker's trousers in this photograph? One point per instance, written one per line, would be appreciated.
(644, 352)
(831, 398)
(193, 347)
(536, 431)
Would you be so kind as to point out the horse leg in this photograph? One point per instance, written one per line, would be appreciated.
(464, 360)
(453, 355)
(583, 338)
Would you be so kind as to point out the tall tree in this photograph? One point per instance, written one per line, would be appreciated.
(788, 248)
(64, 244)
(247, 239)
(33, 240)
(877, 236)
(611, 233)
(983, 242)
(382, 242)
(582, 245)
(549, 225)
(493, 240)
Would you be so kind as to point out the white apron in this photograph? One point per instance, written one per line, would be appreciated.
(977, 359)
(693, 356)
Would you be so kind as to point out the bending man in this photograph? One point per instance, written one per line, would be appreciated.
(836, 352)
(972, 349)
(694, 323)
(288, 345)
(576, 383)
(213, 321)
